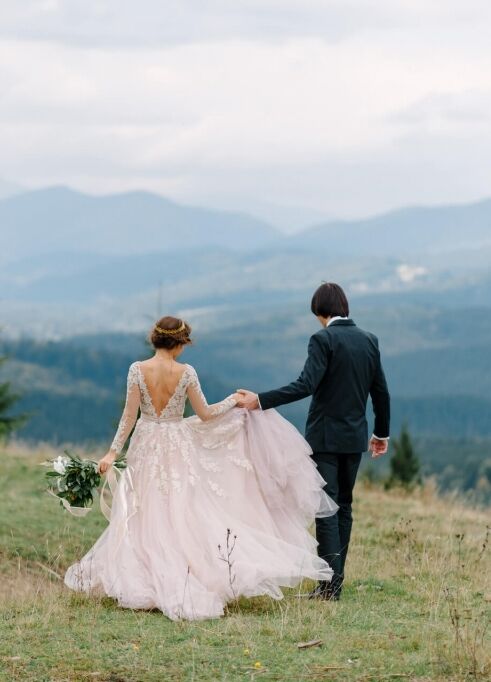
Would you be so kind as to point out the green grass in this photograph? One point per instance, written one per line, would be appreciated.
(416, 606)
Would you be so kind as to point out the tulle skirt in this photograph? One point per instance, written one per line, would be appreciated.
(206, 512)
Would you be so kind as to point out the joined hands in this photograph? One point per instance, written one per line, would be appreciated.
(247, 399)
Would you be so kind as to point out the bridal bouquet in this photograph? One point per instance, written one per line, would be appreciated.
(74, 480)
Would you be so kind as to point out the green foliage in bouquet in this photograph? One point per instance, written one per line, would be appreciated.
(75, 479)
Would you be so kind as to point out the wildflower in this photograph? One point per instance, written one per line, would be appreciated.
(258, 665)
(246, 652)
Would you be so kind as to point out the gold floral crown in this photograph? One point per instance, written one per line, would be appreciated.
(170, 331)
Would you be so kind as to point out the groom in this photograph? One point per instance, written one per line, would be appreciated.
(342, 369)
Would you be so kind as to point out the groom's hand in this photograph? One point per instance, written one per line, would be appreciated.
(248, 399)
(378, 447)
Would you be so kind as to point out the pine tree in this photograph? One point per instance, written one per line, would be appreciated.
(404, 463)
(8, 423)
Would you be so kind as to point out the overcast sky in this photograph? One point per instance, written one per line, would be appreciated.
(343, 107)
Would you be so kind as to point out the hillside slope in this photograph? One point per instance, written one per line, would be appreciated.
(416, 605)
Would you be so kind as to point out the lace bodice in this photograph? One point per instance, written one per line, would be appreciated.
(138, 397)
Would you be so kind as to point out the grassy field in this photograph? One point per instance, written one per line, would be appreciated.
(417, 603)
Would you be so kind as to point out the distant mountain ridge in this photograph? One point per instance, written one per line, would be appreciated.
(60, 219)
(412, 230)
(112, 261)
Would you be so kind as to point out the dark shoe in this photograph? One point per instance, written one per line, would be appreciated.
(334, 594)
(321, 591)
(326, 591)
(335, 587)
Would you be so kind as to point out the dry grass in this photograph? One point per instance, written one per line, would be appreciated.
(417, 604)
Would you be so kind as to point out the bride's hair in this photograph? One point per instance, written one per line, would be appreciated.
(170, 332)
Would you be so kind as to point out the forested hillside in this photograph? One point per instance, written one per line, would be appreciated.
(439, 379)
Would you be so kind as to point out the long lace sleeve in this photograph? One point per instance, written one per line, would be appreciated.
(130, 412)
(198, 401)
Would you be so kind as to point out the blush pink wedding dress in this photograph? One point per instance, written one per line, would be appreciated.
(209, 508)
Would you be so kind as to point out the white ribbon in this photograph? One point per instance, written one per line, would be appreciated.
(110, 481)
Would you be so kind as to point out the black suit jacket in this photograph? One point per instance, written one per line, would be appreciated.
(342, 369)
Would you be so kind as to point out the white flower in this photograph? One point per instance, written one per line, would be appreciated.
(59, 464)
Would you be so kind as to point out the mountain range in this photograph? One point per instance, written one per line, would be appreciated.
(118, 260)
(60, 220)
(409, 231)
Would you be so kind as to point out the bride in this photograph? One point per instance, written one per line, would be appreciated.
(210, 507)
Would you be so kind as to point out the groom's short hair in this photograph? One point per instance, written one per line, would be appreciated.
(329, 300)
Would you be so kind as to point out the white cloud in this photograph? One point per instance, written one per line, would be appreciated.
(385, 111)
(408, 273)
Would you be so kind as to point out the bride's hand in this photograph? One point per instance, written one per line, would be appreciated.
(105, 462)
(247, 399)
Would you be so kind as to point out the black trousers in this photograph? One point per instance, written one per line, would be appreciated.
(334, 532)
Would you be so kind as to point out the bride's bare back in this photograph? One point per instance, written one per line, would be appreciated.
(162, 377)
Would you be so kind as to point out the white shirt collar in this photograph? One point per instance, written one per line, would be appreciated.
(337, 317)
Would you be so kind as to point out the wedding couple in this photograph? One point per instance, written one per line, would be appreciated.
(219, 505)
